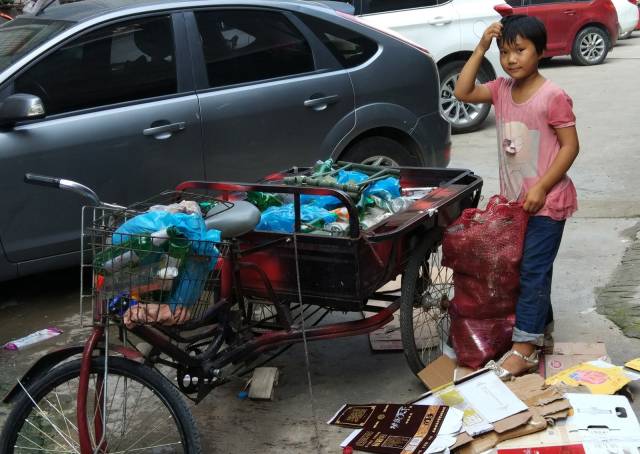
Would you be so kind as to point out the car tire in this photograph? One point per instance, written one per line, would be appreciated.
(590, 46)
(379, 150)
(463, 117)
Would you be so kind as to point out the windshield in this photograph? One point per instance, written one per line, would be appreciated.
(24, 34)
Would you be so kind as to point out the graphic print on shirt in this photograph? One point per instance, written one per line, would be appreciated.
(519, 151)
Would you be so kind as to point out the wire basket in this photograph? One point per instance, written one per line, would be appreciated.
(159, 277)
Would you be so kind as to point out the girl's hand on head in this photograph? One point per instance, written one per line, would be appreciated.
(493, 31)
(534, 199)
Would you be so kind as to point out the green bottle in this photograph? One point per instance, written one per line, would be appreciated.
(264, 200)
(129, 253)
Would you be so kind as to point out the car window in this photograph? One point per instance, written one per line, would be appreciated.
(515, 3)
(380, 6)
(21, 35)
(248, 45)
(349, 47)
(123, 62)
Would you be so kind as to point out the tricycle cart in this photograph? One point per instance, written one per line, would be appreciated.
(212, 308)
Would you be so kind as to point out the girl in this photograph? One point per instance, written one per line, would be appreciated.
(537, 143)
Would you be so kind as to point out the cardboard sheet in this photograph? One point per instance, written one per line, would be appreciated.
(569, 354)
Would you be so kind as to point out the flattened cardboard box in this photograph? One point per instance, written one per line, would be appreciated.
(569, 354)
(545, 404)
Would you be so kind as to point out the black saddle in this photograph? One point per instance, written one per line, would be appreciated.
(233, 221)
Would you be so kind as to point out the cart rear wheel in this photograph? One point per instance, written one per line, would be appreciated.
(144, 412)
(427, 288)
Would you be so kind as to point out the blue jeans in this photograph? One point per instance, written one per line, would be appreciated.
(533, 310)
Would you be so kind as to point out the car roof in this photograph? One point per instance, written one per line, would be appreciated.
(80, 11)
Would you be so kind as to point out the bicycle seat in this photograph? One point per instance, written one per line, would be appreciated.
(233, 221)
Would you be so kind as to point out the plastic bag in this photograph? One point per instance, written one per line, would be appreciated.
(387, 188)
(191, 226)
(329, 202)
(282, 218)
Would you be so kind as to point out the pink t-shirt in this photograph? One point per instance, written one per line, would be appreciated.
(528, 144)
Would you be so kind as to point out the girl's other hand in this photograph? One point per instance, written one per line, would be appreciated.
(493, 31)
(534, 199)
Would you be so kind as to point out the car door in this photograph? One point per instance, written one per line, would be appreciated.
(118, 120)
(268, 98)
(558, 18)
(432, 24)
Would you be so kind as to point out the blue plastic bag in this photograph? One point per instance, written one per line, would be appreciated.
(192, 226)
(282, 218)
(387, 188)
(329, 202)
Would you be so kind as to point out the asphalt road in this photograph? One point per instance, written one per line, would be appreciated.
(346, 370)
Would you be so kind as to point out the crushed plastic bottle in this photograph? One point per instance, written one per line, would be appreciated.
(338, 228)
(416, 193)
(372, 217)
(399, 204)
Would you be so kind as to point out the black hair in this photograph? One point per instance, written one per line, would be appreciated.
(527, 27)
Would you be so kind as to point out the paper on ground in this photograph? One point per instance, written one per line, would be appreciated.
(484, 399)
(474, 423)
(451, 426)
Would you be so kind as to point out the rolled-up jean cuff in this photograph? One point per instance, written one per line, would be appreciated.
(523, 336)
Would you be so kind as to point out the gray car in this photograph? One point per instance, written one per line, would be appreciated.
(131, 98)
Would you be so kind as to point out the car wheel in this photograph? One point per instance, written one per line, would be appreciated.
(378, 150)
(464, 117)
(590, 46)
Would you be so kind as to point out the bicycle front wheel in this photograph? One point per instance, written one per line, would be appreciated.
(142, 412)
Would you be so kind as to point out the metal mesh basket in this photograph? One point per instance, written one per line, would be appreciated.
(158, 278)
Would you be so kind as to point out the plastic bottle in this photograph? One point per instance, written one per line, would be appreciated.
(322, 166)
(264, 200)
(338, 228)
(400, 204)
(128, 253)
(32, 338)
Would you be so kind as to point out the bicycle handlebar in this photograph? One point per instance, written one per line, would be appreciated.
(42, 180)
(67, 185)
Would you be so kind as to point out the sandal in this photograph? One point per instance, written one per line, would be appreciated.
(502, 373)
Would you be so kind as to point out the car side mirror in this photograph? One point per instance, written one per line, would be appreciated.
(21, 107)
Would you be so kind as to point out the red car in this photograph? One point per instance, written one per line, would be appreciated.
(586, 30)
(4, 18)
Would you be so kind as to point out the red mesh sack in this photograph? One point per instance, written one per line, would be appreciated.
(486, 242)
(480, 299)
(484, 249)
(477, 341)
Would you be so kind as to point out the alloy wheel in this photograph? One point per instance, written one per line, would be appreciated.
(592, 47)
(456, 112)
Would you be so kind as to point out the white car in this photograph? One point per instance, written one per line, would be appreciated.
(449, 30)
(627, 16)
